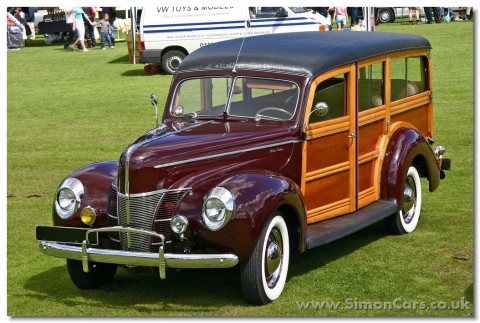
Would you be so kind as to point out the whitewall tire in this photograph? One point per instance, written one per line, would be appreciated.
(264, 275)
(406, 220)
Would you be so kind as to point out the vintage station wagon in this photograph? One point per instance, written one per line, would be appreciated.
(268, 145)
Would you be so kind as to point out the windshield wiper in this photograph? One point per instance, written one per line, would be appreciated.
(258, 117)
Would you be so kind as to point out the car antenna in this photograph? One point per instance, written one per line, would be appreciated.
(247, 25)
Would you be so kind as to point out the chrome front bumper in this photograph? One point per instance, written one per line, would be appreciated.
(87, 253)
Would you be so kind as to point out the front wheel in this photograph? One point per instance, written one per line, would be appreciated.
(99, 274)
(406, 220)
(263, 276)
(385, 15)
(171, 61)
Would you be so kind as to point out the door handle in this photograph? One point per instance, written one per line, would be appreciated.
(352, 135)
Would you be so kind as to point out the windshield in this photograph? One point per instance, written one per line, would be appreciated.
(202, 96)
(298, 9)
(258, 98)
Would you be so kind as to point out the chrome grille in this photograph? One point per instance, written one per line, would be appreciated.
(149, 211)
(142, 211)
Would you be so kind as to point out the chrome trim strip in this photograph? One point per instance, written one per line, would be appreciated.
(139, 258)
(162, 220)
(228, 153)
(141, 194)
(162, 191)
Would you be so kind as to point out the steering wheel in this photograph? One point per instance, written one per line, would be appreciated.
(275, 109)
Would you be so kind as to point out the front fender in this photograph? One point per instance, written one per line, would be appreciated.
(406, 148)
(256, 196)
(96, 179)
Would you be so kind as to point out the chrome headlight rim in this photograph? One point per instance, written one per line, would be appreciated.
(222, 195)
(70, 186)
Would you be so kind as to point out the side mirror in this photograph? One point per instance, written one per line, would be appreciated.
(154, 100)
(321, 109)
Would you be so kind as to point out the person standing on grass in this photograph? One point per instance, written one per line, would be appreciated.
(79, 26)
(410, 14)
(341, 17)
(70, 34)
(30, 19)
(112, 15)
(89, 31)
(106, 31)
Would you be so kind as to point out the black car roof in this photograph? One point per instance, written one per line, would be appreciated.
(300, 53)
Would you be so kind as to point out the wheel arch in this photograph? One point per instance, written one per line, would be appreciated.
(257, 195)
(407, 148)
(172, 48)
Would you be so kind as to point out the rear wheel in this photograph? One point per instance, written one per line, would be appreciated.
(263, 276)
(406, 220)
(171, 61)
(99, 274)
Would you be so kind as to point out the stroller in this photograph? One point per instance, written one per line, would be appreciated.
(15, 36)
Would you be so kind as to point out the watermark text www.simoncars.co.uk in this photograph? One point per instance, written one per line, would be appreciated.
(395, 304)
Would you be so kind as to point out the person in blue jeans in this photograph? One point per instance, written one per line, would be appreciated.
(106, 31)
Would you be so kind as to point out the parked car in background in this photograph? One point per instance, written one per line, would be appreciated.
(268, 145)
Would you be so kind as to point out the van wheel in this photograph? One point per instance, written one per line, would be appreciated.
(264, 274)
(385, 15)
(171, 61)
(406, 220)
(99, 274)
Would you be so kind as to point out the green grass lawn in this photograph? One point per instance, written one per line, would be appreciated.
(67, 109)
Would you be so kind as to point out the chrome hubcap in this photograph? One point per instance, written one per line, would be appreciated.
(409, 200)
(273, 257)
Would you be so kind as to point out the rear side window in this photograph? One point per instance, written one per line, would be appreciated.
(370, 86)
(408, 77)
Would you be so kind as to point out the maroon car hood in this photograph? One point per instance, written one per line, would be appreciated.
(163, 157)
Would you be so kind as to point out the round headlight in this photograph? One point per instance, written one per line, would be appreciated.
(68, 197)
(215, 209)
(218, 208)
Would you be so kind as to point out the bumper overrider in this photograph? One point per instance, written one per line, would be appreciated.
(82, 244)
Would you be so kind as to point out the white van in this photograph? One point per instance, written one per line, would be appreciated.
(170, 33)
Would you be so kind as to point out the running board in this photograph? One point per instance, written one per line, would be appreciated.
(326, 231)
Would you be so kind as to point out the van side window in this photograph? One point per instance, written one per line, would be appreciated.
(264, 12)
(408, 77)
(371, 87)
(332, 92)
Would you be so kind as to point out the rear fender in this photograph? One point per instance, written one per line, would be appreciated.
(406, 148)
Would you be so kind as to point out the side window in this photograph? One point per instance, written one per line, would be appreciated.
(332, 94)
(370, 87)
(408, 77)
(264, 12)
